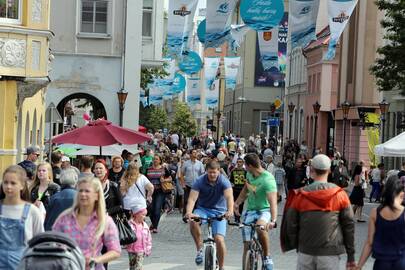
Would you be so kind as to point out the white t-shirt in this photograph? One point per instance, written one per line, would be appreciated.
(134, 200)
(34, 224)
(376, 174)
(175, 139)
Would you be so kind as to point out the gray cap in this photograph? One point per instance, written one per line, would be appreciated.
(321, 162)
(32, 150)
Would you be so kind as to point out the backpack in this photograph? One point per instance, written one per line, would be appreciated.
(52, 251)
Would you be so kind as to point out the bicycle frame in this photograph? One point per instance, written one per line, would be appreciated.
(210, 247)
(255, 248)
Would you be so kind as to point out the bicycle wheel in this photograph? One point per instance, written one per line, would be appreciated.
(250, 261)
(209, 258)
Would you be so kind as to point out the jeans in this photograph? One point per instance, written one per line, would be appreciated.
(389, 265)
(187, 190)
(158, 199)
(375, 190)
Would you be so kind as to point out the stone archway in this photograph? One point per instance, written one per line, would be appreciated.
(72, 107)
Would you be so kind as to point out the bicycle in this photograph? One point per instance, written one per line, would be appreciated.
(254, 257)
(210, 248)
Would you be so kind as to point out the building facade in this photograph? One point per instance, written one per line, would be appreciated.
(100, 48)
(24, 62)
(359, 44)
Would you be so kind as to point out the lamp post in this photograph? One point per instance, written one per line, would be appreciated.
(291, 108)
(218, 119)
(316, 106)
(241, 100)
(122, 97)
(384, 106)
(345, 108)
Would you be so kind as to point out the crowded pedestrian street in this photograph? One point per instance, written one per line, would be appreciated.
(202, 135)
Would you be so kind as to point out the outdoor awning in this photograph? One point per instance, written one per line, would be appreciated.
(394, 147)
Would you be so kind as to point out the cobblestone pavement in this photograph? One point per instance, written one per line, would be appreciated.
(173, 247)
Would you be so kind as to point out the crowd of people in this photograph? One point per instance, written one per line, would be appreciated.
(241, 179)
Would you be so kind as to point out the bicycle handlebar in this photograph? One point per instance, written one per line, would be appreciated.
(252, 225)
(199, 219)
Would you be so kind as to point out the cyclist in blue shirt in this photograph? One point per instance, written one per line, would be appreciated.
(215, 198)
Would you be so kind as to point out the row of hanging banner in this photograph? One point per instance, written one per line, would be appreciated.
(267, 17)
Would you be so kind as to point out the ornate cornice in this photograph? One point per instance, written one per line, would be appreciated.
(29, 88)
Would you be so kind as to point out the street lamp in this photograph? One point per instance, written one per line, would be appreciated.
(291, 108)
(241, 100)
(316, 106)
(384, 107)
(345, 108)
(218, 119)
(122, 97)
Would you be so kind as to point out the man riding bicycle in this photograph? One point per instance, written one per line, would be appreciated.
(215, 198)
(261, 193)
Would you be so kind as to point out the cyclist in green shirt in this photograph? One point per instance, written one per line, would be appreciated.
(260, 191)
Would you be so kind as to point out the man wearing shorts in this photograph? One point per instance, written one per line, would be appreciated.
(260, 191)
(214, 194)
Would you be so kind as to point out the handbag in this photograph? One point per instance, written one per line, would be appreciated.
(126, 234)
(167, 187)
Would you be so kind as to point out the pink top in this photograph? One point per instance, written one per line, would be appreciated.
(84, 237)
(143, 243)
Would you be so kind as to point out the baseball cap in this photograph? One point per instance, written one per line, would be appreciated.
(65, 158)
(321, 162)
(32, 150)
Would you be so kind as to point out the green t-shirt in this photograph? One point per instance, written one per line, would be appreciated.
(146, 163)
(257, 190)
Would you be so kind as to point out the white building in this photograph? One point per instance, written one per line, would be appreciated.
(99, 48)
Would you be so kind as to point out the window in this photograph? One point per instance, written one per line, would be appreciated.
(10, 11)
(147, 18)
(94, 16)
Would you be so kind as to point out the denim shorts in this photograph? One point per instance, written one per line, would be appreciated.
(252, 216)
(218, 227)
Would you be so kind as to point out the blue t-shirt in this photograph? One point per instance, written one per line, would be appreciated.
(211, 196)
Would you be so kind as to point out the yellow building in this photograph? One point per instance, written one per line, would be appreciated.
(24, 57)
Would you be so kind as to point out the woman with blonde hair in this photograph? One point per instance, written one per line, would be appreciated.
(89, 225)
(135, 188)
(43, 187)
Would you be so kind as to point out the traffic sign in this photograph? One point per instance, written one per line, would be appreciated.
(273, 122)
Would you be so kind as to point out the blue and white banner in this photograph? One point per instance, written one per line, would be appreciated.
(155, 94)
(190, 62)
(232, 65)
(339, 12)
(211, 65)
(211, 95)
(180, 24)
(193, 91)
(271, 57)
(238, 33)
(303, 16)
(170, 67)
(218, 22)
(268, 46)
(262, 15)
(143, 98)
(179, 84)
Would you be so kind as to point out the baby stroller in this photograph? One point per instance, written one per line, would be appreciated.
(52, 251)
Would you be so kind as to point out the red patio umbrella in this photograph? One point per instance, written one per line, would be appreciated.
(142, 129)
(101, 133)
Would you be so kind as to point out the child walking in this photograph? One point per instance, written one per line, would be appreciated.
(279, 175)
(143, 245)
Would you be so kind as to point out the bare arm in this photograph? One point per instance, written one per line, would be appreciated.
(149, 191)
(370, 238)
(192, 198)
(228, 194)
(107, 257)
(272, 199)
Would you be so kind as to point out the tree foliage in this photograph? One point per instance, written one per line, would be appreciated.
(149, 74)
(389, 67)
(157, 118)
(183, 122)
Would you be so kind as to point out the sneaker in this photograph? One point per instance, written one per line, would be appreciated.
(268, 263)
(199, 257)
